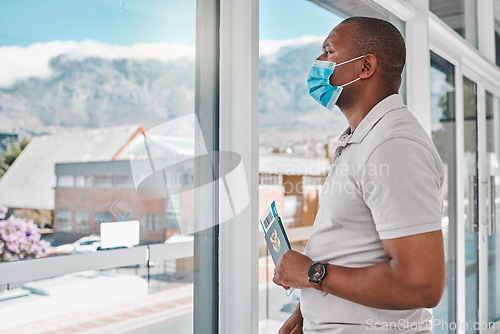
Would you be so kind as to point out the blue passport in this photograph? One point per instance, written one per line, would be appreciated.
(275, 235)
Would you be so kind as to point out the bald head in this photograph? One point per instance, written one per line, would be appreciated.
(381, 39)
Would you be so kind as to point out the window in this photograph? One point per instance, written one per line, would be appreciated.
(174, 179)
(189, 225)
(125, 216)
(150, 222)
(471, 210)
(188, 180)
(103, 180)
(64, 220)
(102, 217)
(493, 153)
(293, 128)
(123, 181)
(157, 223)
(443, 135)
(314, 180)
(84, 181)
(113, 76)
(66, 181)
(270, 180)
(172, 219)
(144, 222)
(82, 221)
(460, 15)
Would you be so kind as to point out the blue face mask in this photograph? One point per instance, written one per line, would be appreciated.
(319, 85)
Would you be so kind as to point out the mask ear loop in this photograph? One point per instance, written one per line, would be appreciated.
(348, 61)
(350, 82)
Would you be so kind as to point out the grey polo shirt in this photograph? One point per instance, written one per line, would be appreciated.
(385, 182)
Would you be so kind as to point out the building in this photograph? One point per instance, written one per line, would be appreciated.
(29, 183)
(294, 183)
(89, 193)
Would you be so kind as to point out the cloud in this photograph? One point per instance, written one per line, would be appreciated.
(269, 48)
(21, 63)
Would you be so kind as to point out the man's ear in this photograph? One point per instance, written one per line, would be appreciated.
(368, 66)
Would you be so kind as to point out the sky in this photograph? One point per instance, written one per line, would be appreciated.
(23, 22)
(128, 22)
(32, 32)
(288, 19)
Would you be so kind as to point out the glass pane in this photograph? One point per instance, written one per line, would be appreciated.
(443, 135)
(470, 202)
(97, 102)
(460, 15)
(291, 35)
(493, 168)
(297, 137)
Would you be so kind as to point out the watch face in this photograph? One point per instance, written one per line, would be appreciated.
(316, 272)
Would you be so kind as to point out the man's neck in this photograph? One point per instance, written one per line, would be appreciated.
(359, 110)
(355, 118)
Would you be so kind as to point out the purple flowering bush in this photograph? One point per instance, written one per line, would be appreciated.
(19, 238)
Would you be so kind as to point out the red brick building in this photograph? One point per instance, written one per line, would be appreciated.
(89, 193)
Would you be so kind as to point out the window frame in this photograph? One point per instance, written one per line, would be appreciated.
(204, 248)
(239, 133)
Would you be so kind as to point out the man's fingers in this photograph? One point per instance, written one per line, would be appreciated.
(290, 329)
(275, 281)
(285, 329)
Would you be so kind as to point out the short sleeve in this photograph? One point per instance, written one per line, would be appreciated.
(402, 185)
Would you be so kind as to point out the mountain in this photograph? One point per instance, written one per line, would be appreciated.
(97, 91)
(288, 115)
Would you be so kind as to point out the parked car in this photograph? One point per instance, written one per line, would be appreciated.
(88, 244)
(57, 253)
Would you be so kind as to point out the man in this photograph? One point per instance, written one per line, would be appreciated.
(377, 237)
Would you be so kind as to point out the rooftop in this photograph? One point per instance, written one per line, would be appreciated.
(30, 181)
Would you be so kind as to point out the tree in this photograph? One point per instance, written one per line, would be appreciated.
(11, 154)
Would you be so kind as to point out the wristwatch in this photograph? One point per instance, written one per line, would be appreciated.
(316, 273)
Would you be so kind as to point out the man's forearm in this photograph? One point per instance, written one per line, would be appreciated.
(412, 277)
(382, 286)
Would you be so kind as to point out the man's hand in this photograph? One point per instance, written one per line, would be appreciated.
(291, 270)
(293, 325)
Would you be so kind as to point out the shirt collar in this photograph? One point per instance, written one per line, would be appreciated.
(390, 103)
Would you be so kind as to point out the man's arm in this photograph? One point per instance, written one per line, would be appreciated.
(413, 276)
(293, 325)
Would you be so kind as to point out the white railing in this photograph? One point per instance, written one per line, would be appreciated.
(36, 269)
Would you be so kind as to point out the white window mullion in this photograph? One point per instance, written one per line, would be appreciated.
(417, 64)
(486, 29)
(239, 133)
(460, 296)
(483, 176)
